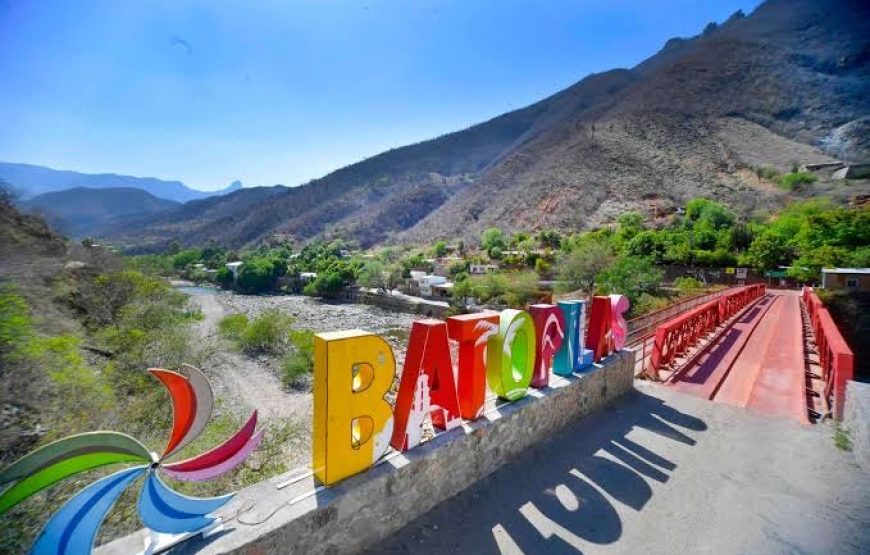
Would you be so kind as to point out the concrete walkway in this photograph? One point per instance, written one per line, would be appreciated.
(661, 472)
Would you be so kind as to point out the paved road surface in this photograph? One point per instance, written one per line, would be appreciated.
(662, 472)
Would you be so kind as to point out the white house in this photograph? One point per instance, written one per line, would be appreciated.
(426, 283)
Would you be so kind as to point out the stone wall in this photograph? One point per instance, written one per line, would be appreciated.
(293, 514)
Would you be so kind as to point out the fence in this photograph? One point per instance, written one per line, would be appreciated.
(835, 357)
(674, 337)
(641, 330)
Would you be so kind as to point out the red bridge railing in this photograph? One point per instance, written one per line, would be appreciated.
(642, 329)
(835, 356)
(673, 338)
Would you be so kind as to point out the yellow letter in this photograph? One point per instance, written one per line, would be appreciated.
(353, 370)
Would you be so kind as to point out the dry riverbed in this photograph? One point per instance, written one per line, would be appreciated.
(244, 383)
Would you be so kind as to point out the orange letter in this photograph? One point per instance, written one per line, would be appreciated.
(472, 331)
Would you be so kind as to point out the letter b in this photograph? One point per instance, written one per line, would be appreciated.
(353, 370)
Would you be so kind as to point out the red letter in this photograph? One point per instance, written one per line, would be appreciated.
(599, 327)
(550, 331)
(428, 355)
(472, 332)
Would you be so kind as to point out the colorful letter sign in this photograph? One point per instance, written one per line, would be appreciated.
(510, 355)
(353, 370)
(472, 331)
(549, 332)
(427, 371)
(618, 326)
(573, 356)
(599, 328)
(353, 424)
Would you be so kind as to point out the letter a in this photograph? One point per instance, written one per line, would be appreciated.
(353, 370)
(428, 355)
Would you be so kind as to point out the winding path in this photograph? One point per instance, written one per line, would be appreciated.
(244, 379)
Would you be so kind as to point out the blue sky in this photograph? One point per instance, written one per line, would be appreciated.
(283, 91)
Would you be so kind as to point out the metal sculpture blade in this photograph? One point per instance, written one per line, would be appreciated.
(73, 528)
(204, 396)
(167, 511)
(183, 406)
(221, 459)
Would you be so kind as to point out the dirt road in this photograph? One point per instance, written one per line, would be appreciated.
(243, 380)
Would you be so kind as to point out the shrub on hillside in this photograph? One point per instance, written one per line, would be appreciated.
(267, 333)
(789, 181)
(687, 284)
(233, 326)
(299, 363)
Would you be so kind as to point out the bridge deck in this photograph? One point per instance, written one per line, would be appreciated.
(757, 363)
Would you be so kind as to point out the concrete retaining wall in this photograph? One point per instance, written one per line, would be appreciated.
(303, 517)
(857, 420)
(402, 303)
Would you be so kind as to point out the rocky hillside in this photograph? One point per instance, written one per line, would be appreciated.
(789, 83)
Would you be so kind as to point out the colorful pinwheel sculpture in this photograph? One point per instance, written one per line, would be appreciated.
(73, 528)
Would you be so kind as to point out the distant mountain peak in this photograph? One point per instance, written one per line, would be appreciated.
(30, 180)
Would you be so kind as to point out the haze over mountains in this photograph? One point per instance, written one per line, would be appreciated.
(29, 181)
(790, 83)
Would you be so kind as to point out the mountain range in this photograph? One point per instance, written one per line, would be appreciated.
(29, 181)
(786, 85)
(82, 212)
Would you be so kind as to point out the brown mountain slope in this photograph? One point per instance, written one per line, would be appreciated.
(794, 73)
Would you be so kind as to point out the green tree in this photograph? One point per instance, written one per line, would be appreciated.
(768, 250)
(491, 239)
(256, 275)
(630, 276)
(549, 239)
(648, 243)
(377, 275)
(439, 249)
(578, 268)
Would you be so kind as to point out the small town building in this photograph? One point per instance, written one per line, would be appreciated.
(478, 269)
(857, 279)
(442, 290)
(426, 283)
(305, 277)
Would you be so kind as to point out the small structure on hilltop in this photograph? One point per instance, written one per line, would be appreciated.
(853, 279)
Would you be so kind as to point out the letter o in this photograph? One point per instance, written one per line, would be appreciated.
(510, 355)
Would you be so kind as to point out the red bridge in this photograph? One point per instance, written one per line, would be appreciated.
(775, 352)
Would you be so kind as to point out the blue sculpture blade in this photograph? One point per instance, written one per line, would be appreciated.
(168, 511)
(73, 528)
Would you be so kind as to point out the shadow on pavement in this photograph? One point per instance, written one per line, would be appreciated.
(551, 499)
